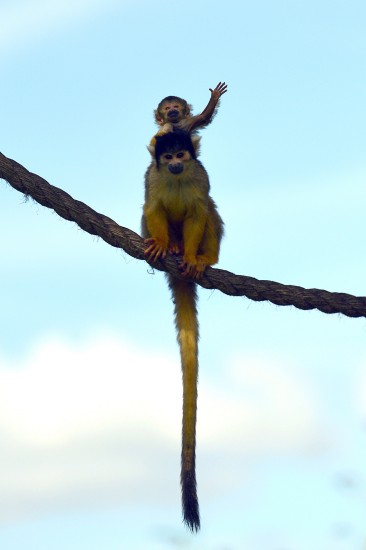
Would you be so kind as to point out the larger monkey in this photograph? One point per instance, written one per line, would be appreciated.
(179, 216)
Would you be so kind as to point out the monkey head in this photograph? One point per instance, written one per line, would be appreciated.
(173, 150)
(171, 109)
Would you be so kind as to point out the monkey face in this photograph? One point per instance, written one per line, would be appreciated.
(172, 112)
(175, 161)
(174, 148)
(171, 109)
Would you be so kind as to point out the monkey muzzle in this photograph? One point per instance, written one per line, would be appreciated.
(176, 168)
(173, 114)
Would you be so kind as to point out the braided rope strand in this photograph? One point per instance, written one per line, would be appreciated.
(32, 185)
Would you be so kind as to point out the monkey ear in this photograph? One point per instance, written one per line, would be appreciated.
(159, 121)
(189, 109)
(196, 142)
(151, 149)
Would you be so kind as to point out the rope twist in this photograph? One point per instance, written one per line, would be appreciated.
(94, 223)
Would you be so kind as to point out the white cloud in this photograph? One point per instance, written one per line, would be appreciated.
(99, 419)
(23, 21)
(266, 406)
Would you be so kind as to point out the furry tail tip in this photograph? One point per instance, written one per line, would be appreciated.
(191, 516)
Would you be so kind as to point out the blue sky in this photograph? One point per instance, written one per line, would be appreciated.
(90, 390)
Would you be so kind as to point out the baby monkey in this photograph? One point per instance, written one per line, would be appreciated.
(179, 216)
(174, 112)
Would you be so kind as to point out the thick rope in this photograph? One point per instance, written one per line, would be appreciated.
(234, 285)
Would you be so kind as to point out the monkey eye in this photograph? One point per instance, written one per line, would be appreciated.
(168, 156)
(180, 154)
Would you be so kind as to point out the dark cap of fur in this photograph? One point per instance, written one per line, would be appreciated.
(178, 140)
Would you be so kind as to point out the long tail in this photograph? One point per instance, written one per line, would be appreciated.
(184, 297)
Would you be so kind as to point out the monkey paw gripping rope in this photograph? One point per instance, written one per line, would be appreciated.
(70, 209)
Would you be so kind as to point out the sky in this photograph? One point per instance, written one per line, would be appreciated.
(90, 383)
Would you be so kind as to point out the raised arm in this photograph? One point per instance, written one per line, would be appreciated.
(202, 120)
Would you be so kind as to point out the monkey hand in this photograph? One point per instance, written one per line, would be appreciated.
(220, 89)
(156, 249)
(165, 129)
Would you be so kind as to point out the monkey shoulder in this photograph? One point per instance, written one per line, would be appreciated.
(184, 124)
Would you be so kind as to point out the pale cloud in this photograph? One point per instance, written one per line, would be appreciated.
(97, 420)
(23, 21)
(266, 406)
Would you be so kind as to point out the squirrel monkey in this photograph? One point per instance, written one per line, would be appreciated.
(174, 112)
(180, 217)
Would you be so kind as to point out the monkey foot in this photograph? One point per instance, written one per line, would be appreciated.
(193, 269)
(156, 249)
(196, 267)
